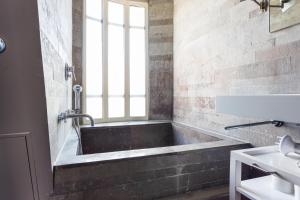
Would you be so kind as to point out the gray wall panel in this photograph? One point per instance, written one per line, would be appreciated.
(274, 107)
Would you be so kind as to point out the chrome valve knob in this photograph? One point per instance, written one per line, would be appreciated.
(2, 45)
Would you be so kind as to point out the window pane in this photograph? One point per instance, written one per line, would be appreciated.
(137, 106)
(93, 58)
(94, 107)
(93, 8)
(137, 16)
(137, 62)
(116, 60)
(116, 107)
(115, 13)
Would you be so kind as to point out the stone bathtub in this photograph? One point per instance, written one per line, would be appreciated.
(141, 160)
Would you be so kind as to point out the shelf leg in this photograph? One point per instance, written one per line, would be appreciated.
(235, 178)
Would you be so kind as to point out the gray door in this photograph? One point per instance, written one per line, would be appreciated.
(15, 175)
(23, 106)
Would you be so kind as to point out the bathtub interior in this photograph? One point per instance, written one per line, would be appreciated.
(140, 136)
(145, 160)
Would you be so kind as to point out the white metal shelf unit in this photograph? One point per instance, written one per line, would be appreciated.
(268, 159)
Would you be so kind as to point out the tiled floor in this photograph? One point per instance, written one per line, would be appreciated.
(217, 193)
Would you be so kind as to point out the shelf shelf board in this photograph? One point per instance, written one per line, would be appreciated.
(261, 189)
(271, 160)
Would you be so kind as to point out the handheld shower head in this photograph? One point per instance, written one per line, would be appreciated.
(77, 89)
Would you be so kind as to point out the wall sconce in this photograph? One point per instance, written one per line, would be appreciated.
(263, 5)
(284, 5)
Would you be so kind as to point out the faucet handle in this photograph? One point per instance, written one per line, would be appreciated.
(2, 45)
(62, 117)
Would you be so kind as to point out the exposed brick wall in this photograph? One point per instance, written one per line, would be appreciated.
(224, 48)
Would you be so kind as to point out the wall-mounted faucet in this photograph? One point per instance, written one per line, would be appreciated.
(69, 114)
(75, 114)
(276, 123)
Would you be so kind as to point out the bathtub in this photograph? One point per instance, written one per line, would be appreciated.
(141, 160)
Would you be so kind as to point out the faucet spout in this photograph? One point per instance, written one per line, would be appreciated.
(68, 115)
(82, 116)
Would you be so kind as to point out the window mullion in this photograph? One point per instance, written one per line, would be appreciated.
(147, 90)
(127, 71)
(105, 68)
(105, 61)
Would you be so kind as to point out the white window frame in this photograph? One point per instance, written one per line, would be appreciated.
(127, 117)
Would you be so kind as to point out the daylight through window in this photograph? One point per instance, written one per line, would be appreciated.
(115, 60)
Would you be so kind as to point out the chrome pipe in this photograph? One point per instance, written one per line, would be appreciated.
(70, 114)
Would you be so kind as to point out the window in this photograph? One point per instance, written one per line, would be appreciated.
(115, 60)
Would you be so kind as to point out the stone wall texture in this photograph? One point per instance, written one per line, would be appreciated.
(160, 59)
(77, 45)
(55, 18)
(224, 48)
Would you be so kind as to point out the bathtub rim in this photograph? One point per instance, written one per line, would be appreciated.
(69, 157)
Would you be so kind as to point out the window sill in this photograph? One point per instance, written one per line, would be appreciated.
(130, 122)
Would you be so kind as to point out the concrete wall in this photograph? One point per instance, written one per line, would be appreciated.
(77, 45)
(150, 176)
(56, 43)
(224, 48)
(160, 59)
(160, 54)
